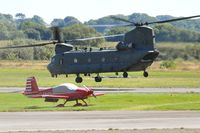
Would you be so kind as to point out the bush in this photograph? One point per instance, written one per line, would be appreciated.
(168, 65)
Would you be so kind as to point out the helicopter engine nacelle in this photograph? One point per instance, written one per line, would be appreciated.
(63, 47)
(141, 37)
(121, 46)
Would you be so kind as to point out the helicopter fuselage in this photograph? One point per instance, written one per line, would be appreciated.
(135, 53)
(75, 62)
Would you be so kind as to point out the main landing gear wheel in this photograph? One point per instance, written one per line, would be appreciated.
(98, 79)
(145, 74)
(62, 105)
(79, 80)
(125, 75)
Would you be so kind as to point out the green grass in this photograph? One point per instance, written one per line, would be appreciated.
(16, 77)
(131, 101)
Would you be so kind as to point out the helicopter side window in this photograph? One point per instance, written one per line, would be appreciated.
(61, 61)
(75, 60)
(103, 59)
(89, 60)
(132, 45)
(53, 60)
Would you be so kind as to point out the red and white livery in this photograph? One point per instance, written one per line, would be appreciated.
(67, 91)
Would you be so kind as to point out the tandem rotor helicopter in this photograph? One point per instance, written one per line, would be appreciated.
(135, 53)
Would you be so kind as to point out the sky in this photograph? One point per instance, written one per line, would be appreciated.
(85, 10)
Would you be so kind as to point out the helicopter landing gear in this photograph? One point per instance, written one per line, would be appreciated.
(54, 75)
(125, 75)
(78, 79)
(87, 74)
(145, 74)
(98, 78)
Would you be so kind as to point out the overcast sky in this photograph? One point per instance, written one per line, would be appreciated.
(93, 9)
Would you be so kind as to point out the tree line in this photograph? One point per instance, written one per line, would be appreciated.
(22, 30)
(20, 27)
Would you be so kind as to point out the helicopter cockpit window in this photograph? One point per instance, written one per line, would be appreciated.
(75, 60)
(53, 60)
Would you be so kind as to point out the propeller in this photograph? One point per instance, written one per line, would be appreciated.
(90, 90)
(155, 22)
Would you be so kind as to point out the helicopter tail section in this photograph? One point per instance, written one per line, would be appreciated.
(31, 86)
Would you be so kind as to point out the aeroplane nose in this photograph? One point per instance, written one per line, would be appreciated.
(90, 92)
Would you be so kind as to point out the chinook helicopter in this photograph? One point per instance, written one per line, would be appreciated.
(135, 53)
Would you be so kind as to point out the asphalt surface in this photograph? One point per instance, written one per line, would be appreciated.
(121, 90)
(98, 120)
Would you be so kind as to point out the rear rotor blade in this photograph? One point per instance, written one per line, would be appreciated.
(172, 20)
(28, 46)
(155, 22)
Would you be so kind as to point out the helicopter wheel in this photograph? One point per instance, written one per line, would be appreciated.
(116, 73)
(145, 74)
(98, 79)
(79, 79)
(125, 75)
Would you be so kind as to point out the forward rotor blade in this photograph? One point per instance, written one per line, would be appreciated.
(27, 46)
(93, 38)
(124, 20)
(172, 20)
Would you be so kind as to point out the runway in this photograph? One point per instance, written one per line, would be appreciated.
(97, 120)
(101, 120)
(119, 90)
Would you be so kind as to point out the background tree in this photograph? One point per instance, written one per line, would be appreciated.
(20, 16)
(78, 31)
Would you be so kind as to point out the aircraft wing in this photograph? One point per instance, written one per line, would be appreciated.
(50, 96)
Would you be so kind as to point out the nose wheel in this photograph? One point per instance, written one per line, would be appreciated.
(98, 78)
(125, 75)
(145, 74)
(78, 79)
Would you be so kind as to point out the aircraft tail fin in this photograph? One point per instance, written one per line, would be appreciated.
(31, 85)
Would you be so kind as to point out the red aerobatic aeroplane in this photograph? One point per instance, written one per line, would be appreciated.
(67, 91)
